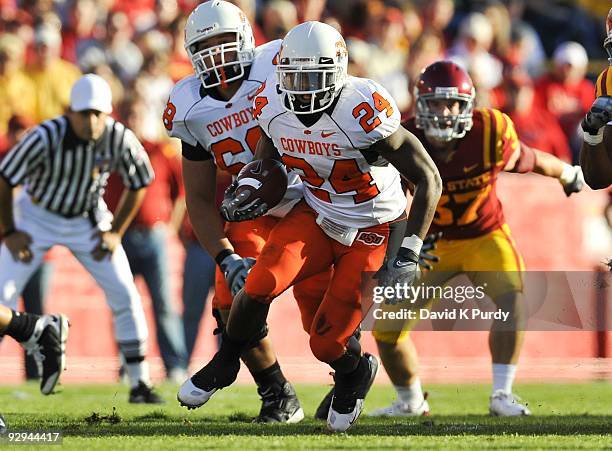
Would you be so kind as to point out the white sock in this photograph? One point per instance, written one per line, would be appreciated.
(503, 377)
(138, 371)
(411, 395)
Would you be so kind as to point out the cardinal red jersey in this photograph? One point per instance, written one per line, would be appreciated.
(469, 206)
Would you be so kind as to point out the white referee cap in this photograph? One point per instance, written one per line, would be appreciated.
(91, 92)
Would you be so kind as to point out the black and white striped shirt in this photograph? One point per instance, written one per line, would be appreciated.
(66, 174)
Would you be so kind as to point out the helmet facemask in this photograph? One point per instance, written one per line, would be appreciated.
(309, 87)
(608, 47)
(441, 127)
(228, 68)
(608, 41)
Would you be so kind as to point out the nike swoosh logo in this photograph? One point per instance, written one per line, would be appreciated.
(467, 169)
(401, 264)
(327, 135)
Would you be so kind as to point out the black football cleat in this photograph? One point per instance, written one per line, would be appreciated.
(144, 394)
(349, 394)
(323, 409)
(219, 373)
(48, 347)
(279, 405)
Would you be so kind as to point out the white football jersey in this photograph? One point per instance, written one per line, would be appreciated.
(226, 130)
(344, 181)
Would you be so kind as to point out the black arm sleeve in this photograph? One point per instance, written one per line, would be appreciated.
(195, 153)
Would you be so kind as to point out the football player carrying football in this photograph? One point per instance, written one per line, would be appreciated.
(470, 147)
(211, 112)
(340, 133)
(596, 152)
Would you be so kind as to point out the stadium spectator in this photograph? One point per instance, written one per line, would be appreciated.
(564, 91)
(354, 15)
(471, 49)
(179, 65)
(137, 12)
(310, 9)
(436, 15)
(146, 240)
(278, 17)
(429, 47)
(499, 18)
(153, 85)
(561, 21)
(120, 52)
(16, 89)
(525, 49)
(385, 31)
(535, 126)
(81, 24)
(51, 76)
(359, 57)
(248, 8)
(166, 12)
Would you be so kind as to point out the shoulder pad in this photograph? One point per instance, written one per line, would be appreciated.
(185, 94)
(366, 111)
(265, 59)
(267, 103)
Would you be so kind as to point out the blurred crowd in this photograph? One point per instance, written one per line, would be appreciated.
(533, 59)
(528, 58)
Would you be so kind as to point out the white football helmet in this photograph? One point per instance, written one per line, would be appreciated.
(212, 19)
(312, 67)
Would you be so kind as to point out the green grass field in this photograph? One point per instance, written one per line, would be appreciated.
(99, 417)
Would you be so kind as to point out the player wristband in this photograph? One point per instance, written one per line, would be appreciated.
(593, 140)
(414, 243)
(222, 256)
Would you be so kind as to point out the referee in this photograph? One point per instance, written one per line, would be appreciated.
(63, 165)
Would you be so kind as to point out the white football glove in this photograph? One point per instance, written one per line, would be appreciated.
(572, 179)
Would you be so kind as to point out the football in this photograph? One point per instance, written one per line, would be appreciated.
(266, 180)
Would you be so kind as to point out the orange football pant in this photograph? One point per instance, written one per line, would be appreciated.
(298, 249)
(248, 239)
